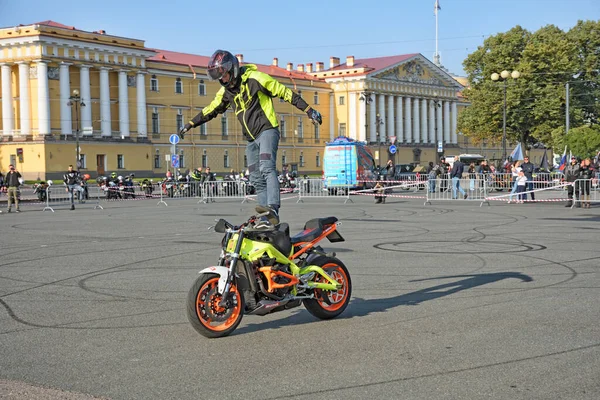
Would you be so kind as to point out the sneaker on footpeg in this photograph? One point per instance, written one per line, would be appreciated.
(272, 216)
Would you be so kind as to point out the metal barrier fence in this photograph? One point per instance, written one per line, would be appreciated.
(503, 181)
(57, 196)
(205, 192)
(316, 188)
(585, 192)
(470, 189)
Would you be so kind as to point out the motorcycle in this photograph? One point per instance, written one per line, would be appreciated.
(40, 190)
(147, 187)
(260, 272)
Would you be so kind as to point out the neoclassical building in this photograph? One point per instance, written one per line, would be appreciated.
(121, 101)
(405, 100)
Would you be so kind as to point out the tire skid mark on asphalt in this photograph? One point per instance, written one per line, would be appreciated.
(435, 374)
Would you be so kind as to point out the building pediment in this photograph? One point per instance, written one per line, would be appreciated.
(416, 70)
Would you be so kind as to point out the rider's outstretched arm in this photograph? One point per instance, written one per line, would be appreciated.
(216, 107)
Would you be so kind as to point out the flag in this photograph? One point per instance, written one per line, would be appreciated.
(544, 163)
(436, 7)
(563, 160)
(517, 153)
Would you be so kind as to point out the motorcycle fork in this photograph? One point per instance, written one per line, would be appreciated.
(233, 262)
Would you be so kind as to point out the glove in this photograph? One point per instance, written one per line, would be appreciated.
(186, 128)
(314, 116)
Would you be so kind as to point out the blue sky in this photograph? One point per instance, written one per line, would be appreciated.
(302, 32)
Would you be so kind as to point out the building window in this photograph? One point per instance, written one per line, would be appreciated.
(204, 159)
(224, 125)
(154, 84)
(302, 159)
(157, 159)
(83, 161)
(179, 120)
(203, 129)
(245, 161)
(181, 159)
(342, 129)
(342, 100)
(318, 159)
(300, 128)
(317, 132)
(120, 161)
(283, 158)
(226, 159)
(201, 88)
(178, 86)
(155, 121)
(282, 128)
(316, 98)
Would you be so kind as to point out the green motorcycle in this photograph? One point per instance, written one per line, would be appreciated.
(264, 271)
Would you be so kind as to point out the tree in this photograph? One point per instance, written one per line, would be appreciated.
(584, 141)
(536, 102)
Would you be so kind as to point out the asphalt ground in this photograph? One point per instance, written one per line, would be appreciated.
(450, 300)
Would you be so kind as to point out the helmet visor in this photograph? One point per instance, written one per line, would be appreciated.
(218, 70)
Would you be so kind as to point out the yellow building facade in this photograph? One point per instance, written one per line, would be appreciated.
(121, 101)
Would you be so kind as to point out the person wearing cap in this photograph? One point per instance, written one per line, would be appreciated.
(571, 175)
(528, 169)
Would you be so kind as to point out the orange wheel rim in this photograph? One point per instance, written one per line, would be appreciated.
(336, 298)
(210, 313)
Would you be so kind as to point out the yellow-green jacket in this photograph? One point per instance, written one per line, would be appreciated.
(251, 101)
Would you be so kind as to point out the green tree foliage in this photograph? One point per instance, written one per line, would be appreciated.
(535, 102)
(584, 141)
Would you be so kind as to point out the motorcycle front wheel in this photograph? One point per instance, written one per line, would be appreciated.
(204, 312)
(328, 304)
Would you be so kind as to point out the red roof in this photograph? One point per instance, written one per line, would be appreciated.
(55, 24)
(194, 60)
(377, 63)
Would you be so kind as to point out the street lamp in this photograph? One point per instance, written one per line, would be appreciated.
(504, 75)
(76, 100)
(378, 123)
(366, 97)
(437, 103)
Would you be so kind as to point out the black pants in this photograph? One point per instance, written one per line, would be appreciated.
(571, 188)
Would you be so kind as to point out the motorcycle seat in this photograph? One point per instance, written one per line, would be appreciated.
(313, 229)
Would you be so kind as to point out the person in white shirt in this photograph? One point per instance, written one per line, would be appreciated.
(521, 182)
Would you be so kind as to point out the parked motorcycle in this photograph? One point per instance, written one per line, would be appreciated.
(260, 272)
(40, 190)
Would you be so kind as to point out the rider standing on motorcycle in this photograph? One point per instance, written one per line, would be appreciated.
(249, 93)
(72, 179)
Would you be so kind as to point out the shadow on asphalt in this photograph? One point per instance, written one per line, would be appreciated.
(359, 307)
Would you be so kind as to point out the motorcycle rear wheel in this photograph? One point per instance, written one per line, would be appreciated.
(204, 312)
(328, 304)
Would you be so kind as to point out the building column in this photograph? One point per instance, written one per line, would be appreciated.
(8, 116)
(453, 117)
(352, 115)
(66, 123)
(399, 132)
(390, 117)
(446, 121)
(362, 118)
(381, 112)
(408, 120)
(123, 104)
(142, 122)
(424, 121)
(416, 122)
(372, 119)
(331, 117)
(86, 98)
(44, 125)
(431, 124)
(105, 121)
(438, 123)
(24, 99)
